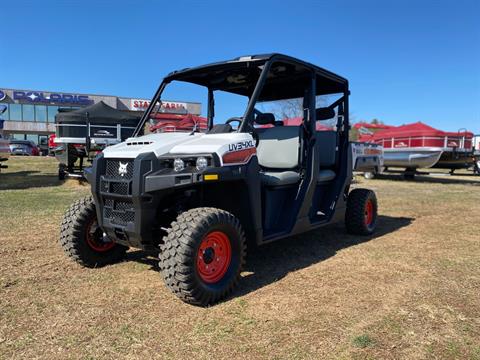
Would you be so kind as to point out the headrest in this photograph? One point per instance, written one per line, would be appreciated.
(325, 113)
(265, 119)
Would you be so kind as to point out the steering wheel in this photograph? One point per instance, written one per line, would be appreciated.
(252, 129)
(233, 119)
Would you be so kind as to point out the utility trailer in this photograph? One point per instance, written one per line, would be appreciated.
(367, 158)
(199, 199)
(82, 133)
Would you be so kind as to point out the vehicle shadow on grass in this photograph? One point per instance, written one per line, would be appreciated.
(270, 263)
(274, 261)
(434, 178)
(27, 179)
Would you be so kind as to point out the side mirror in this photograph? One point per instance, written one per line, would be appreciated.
(325, 113)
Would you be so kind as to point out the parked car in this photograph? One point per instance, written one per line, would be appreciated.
(24, 147)
(52, 144)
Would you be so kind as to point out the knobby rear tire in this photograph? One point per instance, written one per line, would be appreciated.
(357, 221)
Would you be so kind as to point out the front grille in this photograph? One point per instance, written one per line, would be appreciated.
(116, 187)
(120, 188)
(118, 212)
(119, 169)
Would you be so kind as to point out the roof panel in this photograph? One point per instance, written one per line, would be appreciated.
(241, 74)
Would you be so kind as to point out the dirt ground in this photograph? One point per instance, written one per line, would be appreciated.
(411, 291)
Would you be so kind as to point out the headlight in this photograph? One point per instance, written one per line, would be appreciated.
(178, 165)
(202, 163)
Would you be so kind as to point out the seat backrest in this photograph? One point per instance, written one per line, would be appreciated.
(278, 147)
(327, 147)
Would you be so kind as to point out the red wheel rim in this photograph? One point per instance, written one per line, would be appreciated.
(214, 256)
(369, 213)
(94, 238)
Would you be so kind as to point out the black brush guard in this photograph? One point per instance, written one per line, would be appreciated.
(125, 211)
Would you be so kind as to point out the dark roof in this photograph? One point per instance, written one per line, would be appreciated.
(99, 113)
(25, 142)
(240, 76)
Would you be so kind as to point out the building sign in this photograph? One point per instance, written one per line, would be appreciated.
(40, 97)
(167, 106)
(2, 95)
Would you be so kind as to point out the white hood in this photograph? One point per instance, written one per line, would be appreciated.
(179, 143)
(157, 143)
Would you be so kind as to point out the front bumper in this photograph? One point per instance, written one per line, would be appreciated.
(123, 206)
(127, 205)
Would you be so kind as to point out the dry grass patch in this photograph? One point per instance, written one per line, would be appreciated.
(410, 291)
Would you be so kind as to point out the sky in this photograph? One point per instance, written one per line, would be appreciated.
(406, 61)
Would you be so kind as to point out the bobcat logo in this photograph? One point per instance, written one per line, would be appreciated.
(122, 169)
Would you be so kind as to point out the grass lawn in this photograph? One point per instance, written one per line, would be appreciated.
(411, 291)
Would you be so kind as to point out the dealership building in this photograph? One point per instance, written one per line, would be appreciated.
(30, 114)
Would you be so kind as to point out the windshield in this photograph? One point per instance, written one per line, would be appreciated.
(183, 107)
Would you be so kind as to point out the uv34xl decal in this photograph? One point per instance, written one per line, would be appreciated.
(241, 145)
(239, 153)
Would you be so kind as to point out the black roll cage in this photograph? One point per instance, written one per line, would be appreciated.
(247, 119)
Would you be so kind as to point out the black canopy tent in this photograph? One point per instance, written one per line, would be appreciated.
(104, 122)
(82, 133)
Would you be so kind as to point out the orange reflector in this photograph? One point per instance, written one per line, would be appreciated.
(210, 177)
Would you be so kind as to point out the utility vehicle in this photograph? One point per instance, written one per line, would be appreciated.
(197, 198)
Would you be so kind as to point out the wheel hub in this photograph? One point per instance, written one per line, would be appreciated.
(208, 255)
(214, 257)
(369, 213)
(96, 239)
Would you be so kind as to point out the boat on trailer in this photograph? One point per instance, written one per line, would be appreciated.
(418, 145)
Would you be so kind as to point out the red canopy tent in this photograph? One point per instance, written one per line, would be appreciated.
(174, 122)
